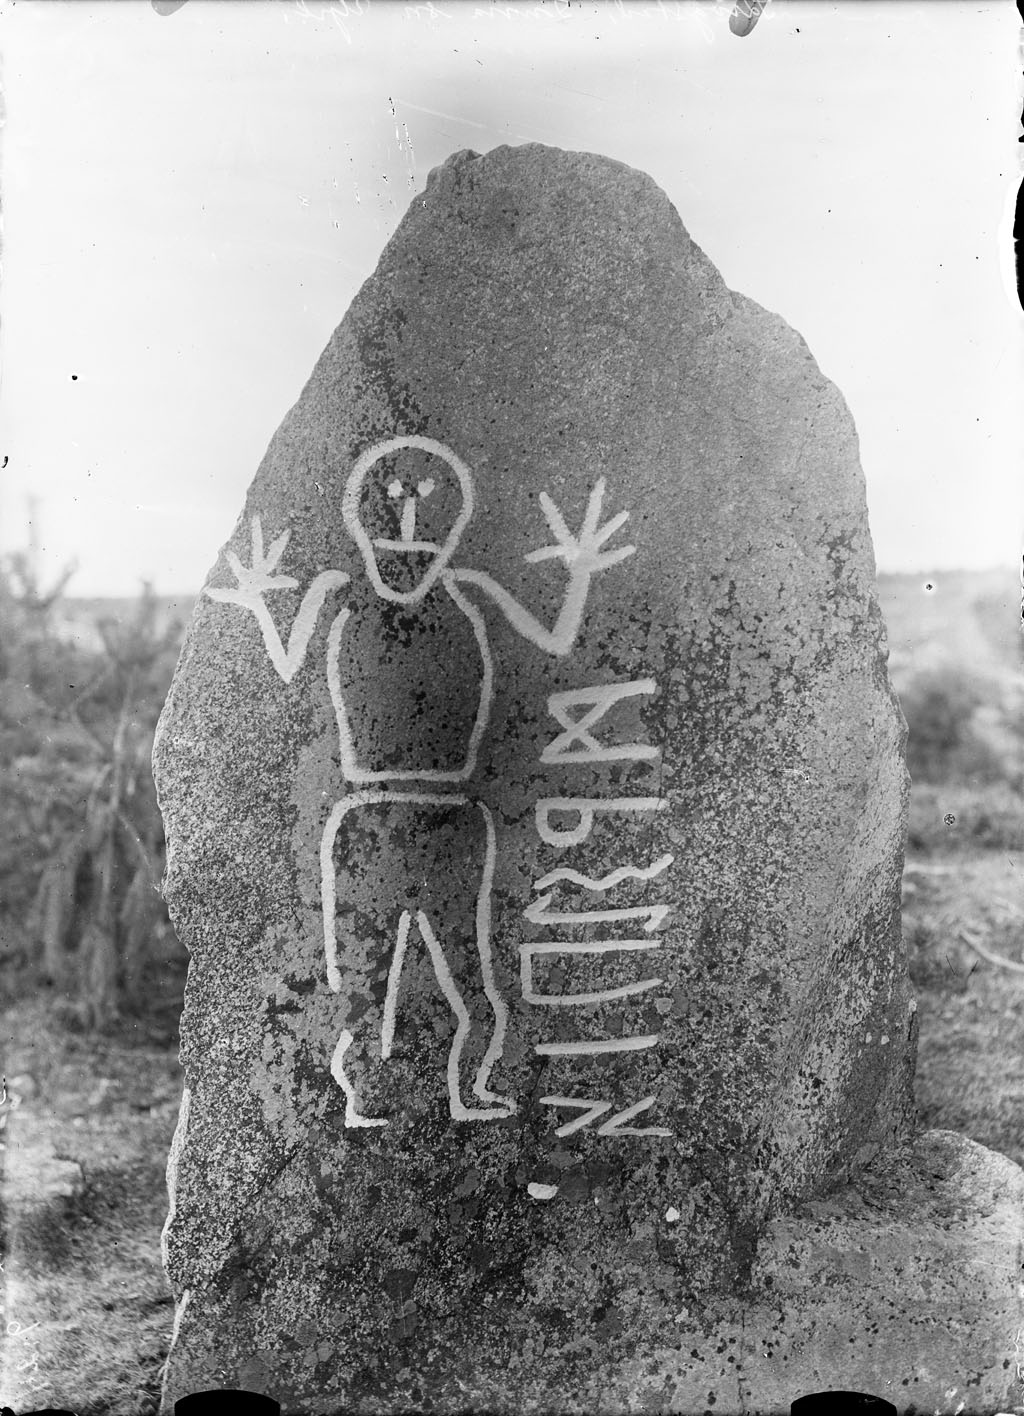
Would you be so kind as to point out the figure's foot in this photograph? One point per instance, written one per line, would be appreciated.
(483, 1091)
(482, 1113)
(354, 1118)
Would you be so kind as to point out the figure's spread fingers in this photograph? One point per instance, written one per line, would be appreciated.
(277, 549)
(608, 558)
(548, 553)
(235, 564)
(610, 528)
(558, 527)
(593, 515)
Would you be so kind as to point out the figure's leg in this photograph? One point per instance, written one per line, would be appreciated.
(364, 1056)
(328, 890)
(463, 1073)
(353, 1116)
(486, 962)
(391, 846)
(358, 917)
(387, 1032)
(456, 927)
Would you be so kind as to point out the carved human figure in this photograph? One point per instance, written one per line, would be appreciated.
(409, 743)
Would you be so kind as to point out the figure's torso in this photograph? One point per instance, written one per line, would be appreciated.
(410, 682)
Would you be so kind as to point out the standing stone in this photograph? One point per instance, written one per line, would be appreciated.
(535, 803)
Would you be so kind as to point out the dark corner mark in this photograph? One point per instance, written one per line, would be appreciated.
(42, 1411)
(167, 7)
(220, 1402)
(842, 1403)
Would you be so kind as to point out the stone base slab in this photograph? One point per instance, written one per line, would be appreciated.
(906, 1284)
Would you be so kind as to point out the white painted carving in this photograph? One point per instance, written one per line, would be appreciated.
(593, 1047)
(252, 584)
(527, 953)
(349, 765)
(350, 511)
(353, 802)
(614, 1125)
(586, 808)
(538, 913)
(387, 1030)
(577, 743)
(584, 556)
(328, 886)
(592, 1110)
(606, 882)
(353, 1116)
(581, 553)
(458, 1110)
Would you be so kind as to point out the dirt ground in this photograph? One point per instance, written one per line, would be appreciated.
(88, 1309)
(89, 1312)
(970, 1072)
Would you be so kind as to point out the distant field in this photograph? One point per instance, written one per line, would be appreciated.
(970, 617)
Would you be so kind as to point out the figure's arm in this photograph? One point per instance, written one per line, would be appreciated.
(252, 583)
(583, 558)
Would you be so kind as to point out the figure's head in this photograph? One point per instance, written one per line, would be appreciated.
(406, 503)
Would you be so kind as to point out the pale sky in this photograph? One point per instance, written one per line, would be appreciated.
(192, 200)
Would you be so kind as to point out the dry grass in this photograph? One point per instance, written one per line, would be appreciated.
(970, 1073)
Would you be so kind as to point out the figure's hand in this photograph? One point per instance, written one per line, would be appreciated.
(582, 553)
(253, 580)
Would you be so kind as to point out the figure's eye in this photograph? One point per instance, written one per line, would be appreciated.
(426, 487)
(395, 488)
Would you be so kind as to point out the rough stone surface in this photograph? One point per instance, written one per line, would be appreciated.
(906, 1284)
(401, 748)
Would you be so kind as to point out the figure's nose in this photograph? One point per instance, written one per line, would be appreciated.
(408, 517)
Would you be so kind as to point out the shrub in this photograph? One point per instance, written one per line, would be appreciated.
(81, 840)
(955, 818)
(958, 729)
